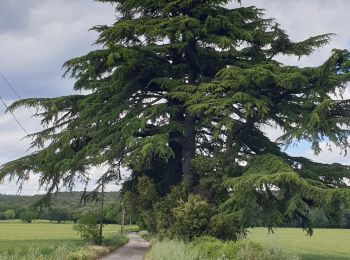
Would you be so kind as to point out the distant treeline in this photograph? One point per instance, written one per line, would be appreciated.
(318, 219)
(65, 206)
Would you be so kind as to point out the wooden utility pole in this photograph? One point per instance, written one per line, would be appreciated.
(101, 213)
(122, 220)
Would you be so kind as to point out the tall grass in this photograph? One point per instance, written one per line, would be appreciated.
(46, 250)
(208, 248)
(171, 250)
(54, 250)
(21, 241)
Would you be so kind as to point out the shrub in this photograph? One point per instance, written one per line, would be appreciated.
(213, 248)
(143, 234)
(192, 218)
(92, 252)
(133, 228)
(226, 226)
(9, 214)
(114, 241)
(88, 228)
(247, 251)
(164, 211)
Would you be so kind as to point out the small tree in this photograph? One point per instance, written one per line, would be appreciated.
(9, 214)
(88, 228)
(28, 216)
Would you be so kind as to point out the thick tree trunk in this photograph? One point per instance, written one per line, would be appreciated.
(189, 148)
(174, 166)
(189, 142)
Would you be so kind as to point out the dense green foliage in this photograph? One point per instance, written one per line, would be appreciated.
(179, 92)
(28, 215)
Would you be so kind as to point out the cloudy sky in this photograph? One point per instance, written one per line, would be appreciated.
(37, 36)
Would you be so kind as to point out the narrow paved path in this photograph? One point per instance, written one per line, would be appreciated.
(134, 250)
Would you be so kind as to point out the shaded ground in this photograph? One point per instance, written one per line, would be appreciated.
(134, 250)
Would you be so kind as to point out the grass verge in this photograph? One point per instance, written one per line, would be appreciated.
(19, 241)
(212, 249)
(63, 250)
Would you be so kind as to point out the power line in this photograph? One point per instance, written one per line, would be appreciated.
(13, 90)
(6, 106)
(18, 96)
(10, 86)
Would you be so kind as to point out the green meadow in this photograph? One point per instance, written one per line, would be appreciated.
(55, 241)
(41, 238)
(324, 244)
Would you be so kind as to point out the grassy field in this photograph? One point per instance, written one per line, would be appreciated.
(51, 241)
(325, 244)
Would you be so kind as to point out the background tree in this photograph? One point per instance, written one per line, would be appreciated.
(180, 92)
(112, 213)
(59, 214)
(28, 216)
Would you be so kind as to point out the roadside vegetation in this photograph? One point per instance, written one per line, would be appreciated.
(213, 249)
(288, 243)
(20, 240)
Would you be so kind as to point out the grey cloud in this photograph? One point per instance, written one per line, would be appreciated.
(17, 9)
(302, 19)
(54, 31)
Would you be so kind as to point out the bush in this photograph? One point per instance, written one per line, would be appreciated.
(92, 252)
(192, 218)
(213, 248)
(88, 228)
(164, 211)
(227, 227)
(143, 234)
(9, 214)
(114, 241)
(132, 228)
(246, 251)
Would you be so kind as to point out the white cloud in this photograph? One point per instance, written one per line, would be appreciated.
(329, 154)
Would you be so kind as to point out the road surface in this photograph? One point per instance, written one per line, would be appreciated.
(134, 250)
